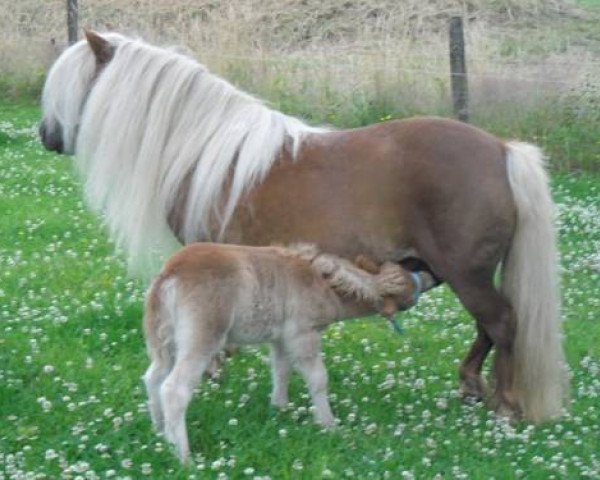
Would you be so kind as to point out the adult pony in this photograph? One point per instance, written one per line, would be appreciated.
(169, 150)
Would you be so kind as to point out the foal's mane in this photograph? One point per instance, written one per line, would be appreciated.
(156, 120)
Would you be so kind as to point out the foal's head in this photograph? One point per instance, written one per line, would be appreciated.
(68, 85)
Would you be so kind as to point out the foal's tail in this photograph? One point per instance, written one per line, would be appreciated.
(530, 281)
(159, 321)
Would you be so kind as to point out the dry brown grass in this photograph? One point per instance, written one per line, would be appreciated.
(331, 58)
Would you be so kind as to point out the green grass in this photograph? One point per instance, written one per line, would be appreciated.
(72, 353)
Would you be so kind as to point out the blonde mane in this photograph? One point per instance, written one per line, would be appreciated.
(156, 119)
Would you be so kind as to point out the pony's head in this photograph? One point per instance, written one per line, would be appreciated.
(67, 87)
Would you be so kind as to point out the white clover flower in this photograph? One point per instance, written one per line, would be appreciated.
(50, 454)
(370, 429)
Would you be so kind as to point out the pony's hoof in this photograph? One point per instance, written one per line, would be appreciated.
(507, 411)
(473, 391)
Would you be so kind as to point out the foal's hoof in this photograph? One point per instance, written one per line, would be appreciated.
(327, 421)
(280, 404)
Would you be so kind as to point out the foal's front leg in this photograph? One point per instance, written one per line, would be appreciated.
(280, 371)
(305, 351)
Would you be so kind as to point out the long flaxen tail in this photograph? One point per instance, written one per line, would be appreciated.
(530, 282)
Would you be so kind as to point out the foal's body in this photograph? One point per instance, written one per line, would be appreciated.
(210, 295)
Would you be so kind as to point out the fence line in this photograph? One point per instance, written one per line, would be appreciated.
(308, 54)
(381, 67)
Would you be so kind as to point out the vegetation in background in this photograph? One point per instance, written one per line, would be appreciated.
(534, 66)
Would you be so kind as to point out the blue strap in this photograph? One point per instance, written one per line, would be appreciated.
(394, 322)
(396, 325)
(418, 286)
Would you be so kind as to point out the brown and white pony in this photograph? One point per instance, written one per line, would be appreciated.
(210, 295)
(170, 151)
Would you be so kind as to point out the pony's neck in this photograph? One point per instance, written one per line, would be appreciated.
(355, 287)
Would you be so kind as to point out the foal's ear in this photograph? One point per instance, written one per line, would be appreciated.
(103, 50)
(367, 263)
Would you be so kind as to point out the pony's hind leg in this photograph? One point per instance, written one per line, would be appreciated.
(472, 385)
(495, 316)
(305, 352)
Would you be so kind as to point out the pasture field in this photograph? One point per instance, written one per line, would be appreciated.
(72, 404)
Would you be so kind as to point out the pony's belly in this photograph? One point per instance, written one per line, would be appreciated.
(333, 231)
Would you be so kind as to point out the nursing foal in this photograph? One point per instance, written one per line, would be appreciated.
(210, 295)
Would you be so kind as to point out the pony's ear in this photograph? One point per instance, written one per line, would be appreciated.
(103, 50)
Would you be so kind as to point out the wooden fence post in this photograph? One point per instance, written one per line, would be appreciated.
(72, 21)
(458, 70)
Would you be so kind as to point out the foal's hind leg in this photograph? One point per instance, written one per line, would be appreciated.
(495, 317)
(176, 393)
(153, 379)
(196, 342)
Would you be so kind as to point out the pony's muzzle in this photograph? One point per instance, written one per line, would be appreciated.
(52, 140)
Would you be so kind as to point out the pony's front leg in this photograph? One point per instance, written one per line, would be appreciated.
(280, 371)
(305, 351)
